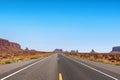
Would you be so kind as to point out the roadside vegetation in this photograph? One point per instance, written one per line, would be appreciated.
(12, 57)
(108, 58)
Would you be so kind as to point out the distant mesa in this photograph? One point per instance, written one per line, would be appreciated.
(58, 51)
(74, 51)
(6, 45)
(116, 49)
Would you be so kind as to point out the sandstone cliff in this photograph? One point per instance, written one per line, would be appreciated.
(6, 45)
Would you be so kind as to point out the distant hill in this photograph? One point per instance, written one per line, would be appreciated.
(116, 49)
(58, 51)
(6, 45)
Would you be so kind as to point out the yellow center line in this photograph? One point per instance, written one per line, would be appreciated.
(60, 76)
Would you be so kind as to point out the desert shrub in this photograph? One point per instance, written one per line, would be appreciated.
(34, 58)
(99, 57)
(11, 57)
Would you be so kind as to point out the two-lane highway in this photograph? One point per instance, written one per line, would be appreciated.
(59, 67)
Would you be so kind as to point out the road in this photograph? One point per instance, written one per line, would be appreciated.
(59, 67)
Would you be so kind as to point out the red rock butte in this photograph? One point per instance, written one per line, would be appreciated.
(6, 45)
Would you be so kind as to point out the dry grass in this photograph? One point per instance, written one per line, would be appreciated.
(11, 57)
(98, 57)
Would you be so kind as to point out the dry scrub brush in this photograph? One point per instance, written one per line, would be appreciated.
(10, 57)
(110, 58)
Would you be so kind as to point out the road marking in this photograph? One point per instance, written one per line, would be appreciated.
(94, 69)
(60, 76)
(23, 69)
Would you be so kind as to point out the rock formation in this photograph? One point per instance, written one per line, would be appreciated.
(92, 51)
(74, 51)
(116, 49)
(58, 51)
(6, 45)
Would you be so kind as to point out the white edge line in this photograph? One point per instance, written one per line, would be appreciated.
(95, 69)
(22, 69)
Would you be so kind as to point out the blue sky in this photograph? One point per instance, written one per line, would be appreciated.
(67, 24)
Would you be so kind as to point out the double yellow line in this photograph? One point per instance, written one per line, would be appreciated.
(60, 76)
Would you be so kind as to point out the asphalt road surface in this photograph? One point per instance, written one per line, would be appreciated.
(59, 67)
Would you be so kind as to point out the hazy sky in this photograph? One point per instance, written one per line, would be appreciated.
(67, 24)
